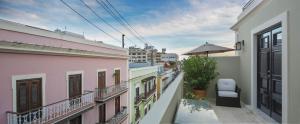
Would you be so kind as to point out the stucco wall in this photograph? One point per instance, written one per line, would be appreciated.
(228, 67)
(164, 109)
(136, 75)
(55, 68)
(271, 9)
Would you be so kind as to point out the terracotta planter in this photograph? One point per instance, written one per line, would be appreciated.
(199, 94)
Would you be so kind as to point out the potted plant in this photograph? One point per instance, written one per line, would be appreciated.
(199, 71)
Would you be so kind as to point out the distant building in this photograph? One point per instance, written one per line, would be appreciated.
(137, 55)
(142, 82)
(169, 57)
(147, 55)
(158, 55)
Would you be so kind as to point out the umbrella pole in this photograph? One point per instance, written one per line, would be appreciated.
(206, 53)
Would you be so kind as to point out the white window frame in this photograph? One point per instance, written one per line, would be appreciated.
(283, 19)
(73, 73)
(15, 78)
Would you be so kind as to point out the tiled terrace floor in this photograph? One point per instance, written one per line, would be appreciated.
(230, 115)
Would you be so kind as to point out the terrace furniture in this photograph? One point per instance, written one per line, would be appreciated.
(227, 93)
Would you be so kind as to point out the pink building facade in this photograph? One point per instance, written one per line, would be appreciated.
(56, 77)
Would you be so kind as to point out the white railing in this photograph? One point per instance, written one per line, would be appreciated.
(247, 4)
(52, 112)
(118, 117)
(104, 93)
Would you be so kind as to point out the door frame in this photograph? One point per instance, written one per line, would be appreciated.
(24, 77)
(101, 70)
(283, 19)
(118, 68)
(73, 73)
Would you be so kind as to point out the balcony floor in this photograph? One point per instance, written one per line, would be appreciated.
(229, 115)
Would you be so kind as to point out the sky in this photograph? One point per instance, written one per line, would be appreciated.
(178, 25)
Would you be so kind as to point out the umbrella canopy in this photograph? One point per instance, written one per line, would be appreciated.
(207, 49)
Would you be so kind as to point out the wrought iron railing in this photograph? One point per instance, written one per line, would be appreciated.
(119, 117)
(147, 94)
(137, 117)
(104, 94)
(52, 112)
(138, 99)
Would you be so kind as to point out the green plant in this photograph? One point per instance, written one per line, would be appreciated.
(199, 71)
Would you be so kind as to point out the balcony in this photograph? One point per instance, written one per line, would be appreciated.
(107, 93)
(137, 116)
(119, 117)
(55, 112)
(171, 108)
(138, 99)
(147, 95)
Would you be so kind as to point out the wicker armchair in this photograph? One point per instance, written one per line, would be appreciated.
(227, 93)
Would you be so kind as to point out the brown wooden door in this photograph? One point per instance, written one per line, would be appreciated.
(29, 94)
(77, 120)
(117, 77)
(117, 105)
(102, 113)
(75, 85)
(101, 80)
(269, 84)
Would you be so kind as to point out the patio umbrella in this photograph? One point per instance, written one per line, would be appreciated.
(207, 49)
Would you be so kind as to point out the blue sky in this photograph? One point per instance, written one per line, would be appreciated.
(178, 25)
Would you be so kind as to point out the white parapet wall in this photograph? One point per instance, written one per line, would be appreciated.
(165, 108)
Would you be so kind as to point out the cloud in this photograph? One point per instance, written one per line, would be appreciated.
(202, 18)
(174, 25)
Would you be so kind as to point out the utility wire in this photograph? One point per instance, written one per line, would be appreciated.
(105, 21)
(107, 9)
(89, 21)
(124, 19)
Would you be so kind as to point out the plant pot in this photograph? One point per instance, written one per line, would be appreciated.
(199, 94)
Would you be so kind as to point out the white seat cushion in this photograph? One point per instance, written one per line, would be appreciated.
(226, 85)
(227, 94)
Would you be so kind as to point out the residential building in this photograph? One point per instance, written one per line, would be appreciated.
(137, 55)
(142, 81)
(169, 57)
(146, 55)
(158, 55)
(58, 77)
(151, 53)
(268, 33)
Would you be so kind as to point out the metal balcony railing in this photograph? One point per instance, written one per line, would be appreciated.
(53, 113)
(107, 93)
(119, 117)
(138, 99)
(147, 94)
(137, 116)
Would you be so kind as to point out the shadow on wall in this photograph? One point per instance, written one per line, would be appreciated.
(228, 67)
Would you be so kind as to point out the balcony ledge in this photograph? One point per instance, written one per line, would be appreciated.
(101, 100)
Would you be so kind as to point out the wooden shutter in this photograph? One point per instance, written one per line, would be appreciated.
(117, 77)
(75, 85)
(101, 80)
(29, 94)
